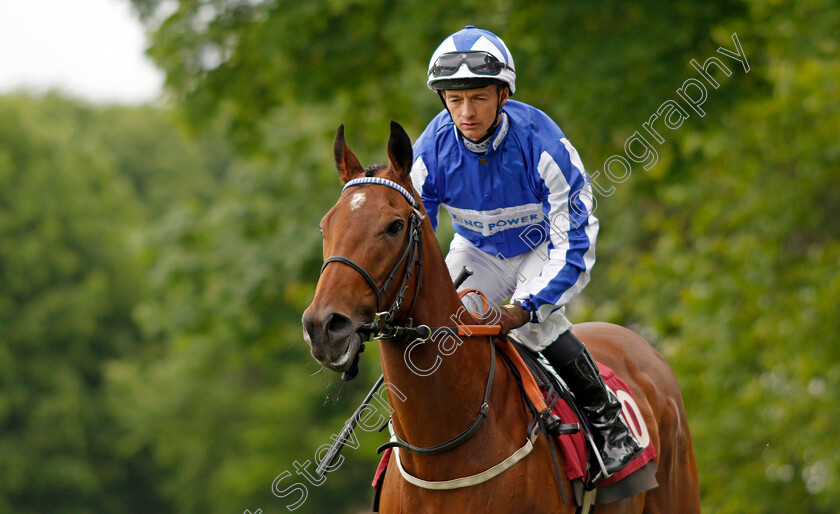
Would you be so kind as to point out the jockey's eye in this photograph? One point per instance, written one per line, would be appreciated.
(395, 227)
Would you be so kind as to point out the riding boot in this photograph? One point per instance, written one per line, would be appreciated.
(612, 437)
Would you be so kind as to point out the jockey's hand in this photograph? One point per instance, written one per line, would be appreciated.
(513, 316)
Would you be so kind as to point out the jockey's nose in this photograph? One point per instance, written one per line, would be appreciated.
(323, 328)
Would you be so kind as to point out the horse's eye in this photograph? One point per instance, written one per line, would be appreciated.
(395, 227)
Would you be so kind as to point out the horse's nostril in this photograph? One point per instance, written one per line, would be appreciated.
(338, 324)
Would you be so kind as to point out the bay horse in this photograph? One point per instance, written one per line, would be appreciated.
(381, 253)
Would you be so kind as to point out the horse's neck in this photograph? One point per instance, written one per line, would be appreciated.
(437, 300)
(443, 380)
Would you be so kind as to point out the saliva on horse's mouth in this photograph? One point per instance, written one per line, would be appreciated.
(363, 334)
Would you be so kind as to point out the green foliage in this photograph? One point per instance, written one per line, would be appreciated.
(368, 59)
(151, 283)
(734, 252)
(67, 286)
(163, 167)
(226, 401)
(79, 188)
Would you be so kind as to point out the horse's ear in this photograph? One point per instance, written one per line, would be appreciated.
(347, 163)
(399, 150)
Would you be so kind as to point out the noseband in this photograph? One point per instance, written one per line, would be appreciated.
(412, 249)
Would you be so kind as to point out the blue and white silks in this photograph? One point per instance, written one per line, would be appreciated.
(528, 192)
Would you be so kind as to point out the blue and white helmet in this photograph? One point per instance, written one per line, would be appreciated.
(471, 58)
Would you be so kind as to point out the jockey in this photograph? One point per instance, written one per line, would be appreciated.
(520, 203)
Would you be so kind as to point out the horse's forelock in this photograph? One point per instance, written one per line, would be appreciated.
(384, 171)
(373, 169)
(376, 170)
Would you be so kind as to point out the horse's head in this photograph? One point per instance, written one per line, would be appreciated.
(370, 240)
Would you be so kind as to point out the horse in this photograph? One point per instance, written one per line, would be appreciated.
(378, 233)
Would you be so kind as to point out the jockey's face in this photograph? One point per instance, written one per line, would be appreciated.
(474, 110)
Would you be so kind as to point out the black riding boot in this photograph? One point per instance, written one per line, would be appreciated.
(575, 365)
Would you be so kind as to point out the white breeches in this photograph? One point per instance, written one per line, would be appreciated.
(499, 279)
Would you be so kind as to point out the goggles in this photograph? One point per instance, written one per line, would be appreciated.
(480, 63)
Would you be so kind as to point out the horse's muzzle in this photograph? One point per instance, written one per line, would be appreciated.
(332, 338)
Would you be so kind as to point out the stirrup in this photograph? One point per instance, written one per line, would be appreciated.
(593, 479)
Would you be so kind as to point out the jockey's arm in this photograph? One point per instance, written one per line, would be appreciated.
(572, 231)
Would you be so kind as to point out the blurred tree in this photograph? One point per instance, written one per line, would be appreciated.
(229, 402)
(78, 187)
(163, 163)
(597, 70)
(67, 287)
(729, 254)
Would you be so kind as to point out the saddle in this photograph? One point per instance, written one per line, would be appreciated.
(637, 477)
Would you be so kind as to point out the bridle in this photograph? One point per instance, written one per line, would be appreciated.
(411, 251)
(383, 327)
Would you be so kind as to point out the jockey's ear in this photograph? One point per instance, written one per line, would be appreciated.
(399, 151)
(347, 163)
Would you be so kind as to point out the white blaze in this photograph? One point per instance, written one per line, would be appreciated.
(357, 201)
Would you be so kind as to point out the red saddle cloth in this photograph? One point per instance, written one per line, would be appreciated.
(574, 445)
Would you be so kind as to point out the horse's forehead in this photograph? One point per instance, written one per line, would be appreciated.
(363, 203)
(370, 198)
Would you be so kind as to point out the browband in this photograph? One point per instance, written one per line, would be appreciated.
(383, 182)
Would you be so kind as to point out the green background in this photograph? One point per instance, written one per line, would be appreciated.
(155, 260)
